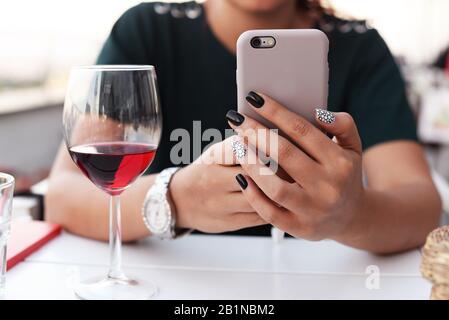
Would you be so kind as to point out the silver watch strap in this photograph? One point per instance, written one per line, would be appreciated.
(163, 179)
(158, 192)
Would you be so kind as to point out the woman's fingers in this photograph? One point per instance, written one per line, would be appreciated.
(235, 201)
(302, 132)
(283, 152)
(246, 220)
(342, 126)
(222, 177)
(218, 177)
(267, 209)
(286, 194)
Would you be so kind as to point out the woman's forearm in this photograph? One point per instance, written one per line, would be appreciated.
(394, 220)
(81, 208)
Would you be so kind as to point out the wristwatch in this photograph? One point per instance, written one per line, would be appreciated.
(156, 211)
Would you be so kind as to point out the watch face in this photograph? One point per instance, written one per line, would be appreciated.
(159, 216)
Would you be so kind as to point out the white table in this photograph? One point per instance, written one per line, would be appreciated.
(223, 267)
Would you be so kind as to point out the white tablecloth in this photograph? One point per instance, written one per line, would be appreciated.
(225, 267)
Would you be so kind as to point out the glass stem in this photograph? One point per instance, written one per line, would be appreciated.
(115, 239)
(2, 267)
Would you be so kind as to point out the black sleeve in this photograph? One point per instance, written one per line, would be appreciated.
(126, 44)
(128, 40)
(376, 95)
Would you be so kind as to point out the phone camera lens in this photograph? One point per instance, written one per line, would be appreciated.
(255, 42)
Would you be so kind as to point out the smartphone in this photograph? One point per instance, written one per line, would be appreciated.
(289, 65)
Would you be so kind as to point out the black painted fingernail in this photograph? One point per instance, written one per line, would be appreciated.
(325, 116)
(242, 181)
(255, 100)
(235, 117)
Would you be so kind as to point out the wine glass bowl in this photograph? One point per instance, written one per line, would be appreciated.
(112, 126)
(113, 166)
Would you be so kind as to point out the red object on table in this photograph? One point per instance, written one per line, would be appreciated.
(27, 237)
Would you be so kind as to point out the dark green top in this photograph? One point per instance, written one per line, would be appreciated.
(196, 73)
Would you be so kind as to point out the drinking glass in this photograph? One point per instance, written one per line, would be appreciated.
(112, 126)
(6, 194)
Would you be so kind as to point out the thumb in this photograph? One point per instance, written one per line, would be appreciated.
(342, 126)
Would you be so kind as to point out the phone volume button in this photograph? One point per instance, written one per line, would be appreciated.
(236, 76)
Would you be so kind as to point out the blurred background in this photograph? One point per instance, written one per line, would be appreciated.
(41, 40)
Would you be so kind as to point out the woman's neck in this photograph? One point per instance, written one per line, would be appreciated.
(227, 20)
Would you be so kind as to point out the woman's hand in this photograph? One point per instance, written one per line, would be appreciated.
(325, 192)
(206, 197)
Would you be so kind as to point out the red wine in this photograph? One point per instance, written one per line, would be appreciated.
(113, 166)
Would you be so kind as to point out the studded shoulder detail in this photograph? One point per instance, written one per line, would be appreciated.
(191, 10)
(330, 24)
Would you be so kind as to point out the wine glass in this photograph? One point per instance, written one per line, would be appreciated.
(6, 195)
(112, 126)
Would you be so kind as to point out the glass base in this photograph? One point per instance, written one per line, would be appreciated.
(115, 289)
(2, 287)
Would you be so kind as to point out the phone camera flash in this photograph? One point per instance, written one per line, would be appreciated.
(266, 42)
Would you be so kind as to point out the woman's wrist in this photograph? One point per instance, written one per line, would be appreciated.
(356, 226)
(175, 197)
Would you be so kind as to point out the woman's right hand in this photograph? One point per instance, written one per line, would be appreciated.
(206, 197)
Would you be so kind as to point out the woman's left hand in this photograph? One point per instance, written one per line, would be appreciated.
(325, 192)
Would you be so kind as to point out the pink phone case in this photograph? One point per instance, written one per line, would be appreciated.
(294, 72)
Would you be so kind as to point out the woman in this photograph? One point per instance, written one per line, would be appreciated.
(193, 49)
